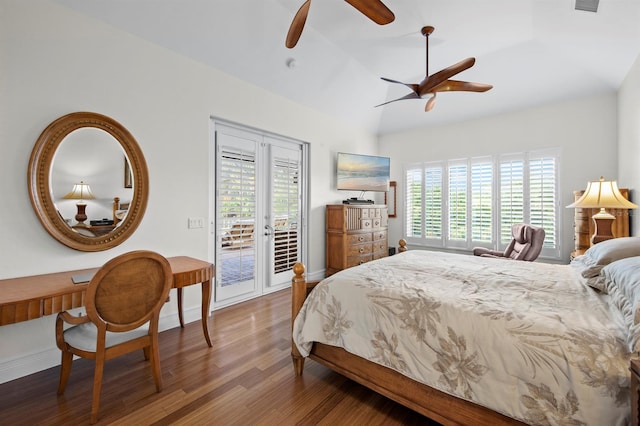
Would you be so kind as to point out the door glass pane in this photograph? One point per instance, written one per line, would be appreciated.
(237, 197)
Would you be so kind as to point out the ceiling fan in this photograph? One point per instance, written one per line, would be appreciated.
(439, 82)
(373, 9)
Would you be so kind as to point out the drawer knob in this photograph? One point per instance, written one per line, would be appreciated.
(361, 238)
(361, 249)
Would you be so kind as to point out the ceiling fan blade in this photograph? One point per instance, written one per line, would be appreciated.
(430, 103)
(409, 96)
(427, 85)
(374, 10)
(295, 30)
(461, 86)
(413, 87)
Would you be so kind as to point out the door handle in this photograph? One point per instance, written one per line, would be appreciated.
(268, 230)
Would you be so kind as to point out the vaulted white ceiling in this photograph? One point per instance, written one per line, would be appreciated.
(532, 51)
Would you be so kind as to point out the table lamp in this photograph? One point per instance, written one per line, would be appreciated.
(602, 194)
(81, 191)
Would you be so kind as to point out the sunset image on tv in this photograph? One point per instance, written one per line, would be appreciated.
(362, 172)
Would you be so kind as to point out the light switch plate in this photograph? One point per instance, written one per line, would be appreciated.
(196, 222)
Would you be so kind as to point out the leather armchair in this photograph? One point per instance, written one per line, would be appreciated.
(526, 244)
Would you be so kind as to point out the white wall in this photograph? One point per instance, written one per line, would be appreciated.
(584, 129)
(54, 61)
(629, 138)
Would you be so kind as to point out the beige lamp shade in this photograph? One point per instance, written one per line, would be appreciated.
(602, 194)
(80, 191)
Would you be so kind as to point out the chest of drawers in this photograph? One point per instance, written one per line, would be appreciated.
(355, 234)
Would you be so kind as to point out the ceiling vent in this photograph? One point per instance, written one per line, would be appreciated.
(587, 5)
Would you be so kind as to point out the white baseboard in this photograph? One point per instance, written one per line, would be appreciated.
(50, 357)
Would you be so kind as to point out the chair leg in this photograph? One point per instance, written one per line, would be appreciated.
(65, 371)
(155, 362)
(97, 386)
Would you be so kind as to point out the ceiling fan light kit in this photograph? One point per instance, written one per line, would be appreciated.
(440, 81)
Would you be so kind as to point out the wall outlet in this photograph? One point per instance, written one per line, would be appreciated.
(196, 222)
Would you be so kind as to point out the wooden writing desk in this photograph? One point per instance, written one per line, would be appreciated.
(27, 298)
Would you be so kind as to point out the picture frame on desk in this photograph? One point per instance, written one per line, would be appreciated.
(390, 198)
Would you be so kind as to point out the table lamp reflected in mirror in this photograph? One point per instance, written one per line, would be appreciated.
(81, 191)
(602, 195)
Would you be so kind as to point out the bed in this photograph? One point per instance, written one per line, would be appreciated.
(471, 340)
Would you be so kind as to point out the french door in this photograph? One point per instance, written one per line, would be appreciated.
(258, 212)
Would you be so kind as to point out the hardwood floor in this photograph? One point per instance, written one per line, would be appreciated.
(247, 378)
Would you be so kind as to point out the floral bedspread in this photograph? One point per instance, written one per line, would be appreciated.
(525, 339)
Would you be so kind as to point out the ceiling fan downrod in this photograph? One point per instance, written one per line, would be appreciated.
(426, 31)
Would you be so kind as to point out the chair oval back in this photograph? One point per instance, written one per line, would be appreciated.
(129, 290)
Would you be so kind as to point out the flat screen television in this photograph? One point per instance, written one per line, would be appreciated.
(356, 172)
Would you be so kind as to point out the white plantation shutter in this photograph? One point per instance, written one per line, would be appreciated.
(286, 212)
(543, 195)
(481, 200)
(238, 186)
(433, 202)
(511, 196)
(457, 201)
(413, 202)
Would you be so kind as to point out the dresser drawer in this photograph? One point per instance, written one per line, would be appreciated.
(359, 239)
(366, 223)
(358, 260)
(359, 249)
(380, 235)
(381, 247)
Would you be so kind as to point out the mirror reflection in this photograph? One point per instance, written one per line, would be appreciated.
(88, 181)
(91, 182)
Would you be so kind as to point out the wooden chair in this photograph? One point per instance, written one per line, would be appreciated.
(123, 302)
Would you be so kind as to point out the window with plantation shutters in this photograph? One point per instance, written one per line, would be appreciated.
(511, 196)
(286, 214)
(543, 195)
(433, 202)
(414, 212)
(457, 201)
(481, 198)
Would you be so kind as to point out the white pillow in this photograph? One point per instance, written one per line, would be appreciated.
(598, 256)
(624, 275)
(622, 279)
(614, 249)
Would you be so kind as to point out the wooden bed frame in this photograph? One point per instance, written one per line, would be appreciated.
(432, 403)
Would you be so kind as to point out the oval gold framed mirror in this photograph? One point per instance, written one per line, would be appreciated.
(134, 175)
